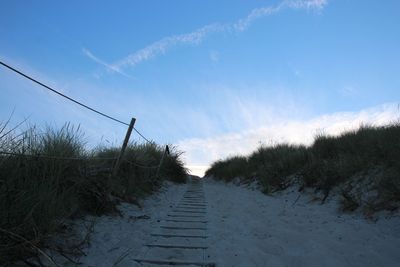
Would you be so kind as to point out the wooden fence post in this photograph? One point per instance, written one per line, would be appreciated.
(124, 144)
(166, 151)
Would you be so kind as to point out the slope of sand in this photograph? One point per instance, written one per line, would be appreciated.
(247, 228)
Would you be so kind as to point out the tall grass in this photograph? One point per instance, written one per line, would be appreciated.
(138, 171)
(330, 162)
(230, 168)
(37, 192)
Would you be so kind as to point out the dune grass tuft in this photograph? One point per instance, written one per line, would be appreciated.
(48, 176)
(344, 161)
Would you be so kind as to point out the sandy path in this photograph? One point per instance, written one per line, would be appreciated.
(244, 228)
(122, 238)
(248, 228)
(181, 237)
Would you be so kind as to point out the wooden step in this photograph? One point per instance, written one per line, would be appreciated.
(176, 246)
(176, 262)
(188, 221)
(186, 236)
(182, 228)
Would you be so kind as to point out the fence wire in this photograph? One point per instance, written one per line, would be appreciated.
(82, 105)
(141, 166)
(70, 98)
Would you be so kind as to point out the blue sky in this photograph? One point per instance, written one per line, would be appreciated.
(213, 77)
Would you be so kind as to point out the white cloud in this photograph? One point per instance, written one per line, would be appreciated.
(244, 23)
(306, 4)
(161, 46)
(197, 36)
(109, 67)
(90, 55)
(200, 153)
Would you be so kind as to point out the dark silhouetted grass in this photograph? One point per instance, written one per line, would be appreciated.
(229, 168)
(330, 162)
(38, 193)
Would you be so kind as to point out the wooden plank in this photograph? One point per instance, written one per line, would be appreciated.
(190, 211)
(193, 204)
(199, 206)
(196, 203)
(176, 246)
(189, 221)
(176, 262)
(191, 208)
(182, 228)
(192, 216)
(186, 236)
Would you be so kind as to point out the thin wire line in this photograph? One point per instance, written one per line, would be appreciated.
(61, 94)
(137, 131)
(71, 99)
(141, 166)
(53, 157)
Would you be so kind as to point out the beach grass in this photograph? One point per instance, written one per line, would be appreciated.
(366, 157)
(49, 175)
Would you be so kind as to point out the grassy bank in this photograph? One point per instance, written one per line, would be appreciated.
(49, 176)
(362, 165)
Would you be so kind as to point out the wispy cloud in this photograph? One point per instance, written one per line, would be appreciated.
(306, 4)
(257, 13)
(109, 67)
(244, 23)
(166, 43)
(201, 152)
(197, 36)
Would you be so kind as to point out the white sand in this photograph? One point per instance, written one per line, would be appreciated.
(251, 229)
(116, 236)
(248, 228)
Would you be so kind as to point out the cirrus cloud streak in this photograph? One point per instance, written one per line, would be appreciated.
(197, 36)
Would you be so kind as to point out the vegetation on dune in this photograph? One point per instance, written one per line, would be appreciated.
(50, 176)
(364, 165)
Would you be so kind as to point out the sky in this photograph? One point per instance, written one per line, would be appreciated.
(213, 78)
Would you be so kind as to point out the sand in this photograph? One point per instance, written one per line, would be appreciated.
(247, 228)
(251, 229)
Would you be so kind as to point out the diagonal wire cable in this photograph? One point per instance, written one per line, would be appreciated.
(137, 131)
(71, 99)
(63, 95)
(141, 166)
